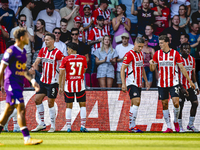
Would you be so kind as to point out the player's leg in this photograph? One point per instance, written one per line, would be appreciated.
(69, 99)
(52, 91)
(181, 104)
(164, 96)
(22, 123)
(134, 93)
(193, 110)
(81, 98)
(15, 124)
(174, 92)
(109, 82)
(102, 82)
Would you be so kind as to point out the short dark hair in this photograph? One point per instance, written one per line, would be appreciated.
(164, 37)
(56, 28)
(19, 32)
(146, 37)
(175, 16)
(186, 35)
(51, 35)
(74, 29)
(22, 15)
(4, 1)
(64, 20)
(184, 44)
(50, 6)
(73, 46)
(139, 40)
(194, 23)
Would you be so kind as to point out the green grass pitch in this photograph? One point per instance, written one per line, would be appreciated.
(103, 141)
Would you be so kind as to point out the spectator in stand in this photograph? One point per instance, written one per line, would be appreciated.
(145, 16)
(82, 48)
(58, 44)
(3, 37)
(184, 19)
(51, 17)
(77, 24)
(58, 4)
(194, 38)
(38, 39)
(69, 12)
(121, 50)
(134, 19)
(81, 3)
(175, 6)
(148, 53)
(22, 24)
(88, 21)
(183, 39)
(152, 39)
(7, 16)
(121, 24)
(106, 59)
(15, 5)
(65, 34)
(196, 15)
(161, 21)
(95, 39)
(170, 41)
(175, 31)
(28, 12)
(103, 11)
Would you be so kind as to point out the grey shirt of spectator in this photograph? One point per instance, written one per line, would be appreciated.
(105, 69)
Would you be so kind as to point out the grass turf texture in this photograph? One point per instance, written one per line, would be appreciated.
(103, 141)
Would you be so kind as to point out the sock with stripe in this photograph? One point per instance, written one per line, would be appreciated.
(52, 113)
(167, 118)
(68, 117)
(40, 113)
(176, 113)
(83, 116)
(133, 115)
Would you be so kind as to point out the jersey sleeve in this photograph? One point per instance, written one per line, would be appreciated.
(193, 63)
(178, 57)
(127, 58)
(62, 65)
(41, 53)
(155, 57)
(91, 35)
(59, 55)
(85, 63)
(77, 3)
(7, 57)
(4, 28)
(95, 15)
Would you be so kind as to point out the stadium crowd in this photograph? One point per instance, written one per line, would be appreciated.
(86, 22)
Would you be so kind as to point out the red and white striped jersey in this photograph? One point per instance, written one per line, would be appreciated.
(135, 62)
(80, 37)
(49, 64)
(167, 67)
(96, 34)
(98, 12)
(189, 65)
(74, 66)
(86, 22)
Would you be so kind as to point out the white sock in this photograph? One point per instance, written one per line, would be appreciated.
(180, 123)
(133, 111)
(191, 121)
(26, 138)
(68, 117)
(40, 112)
(52, 113)
(176, 113)
(83, 116)
(167, 118)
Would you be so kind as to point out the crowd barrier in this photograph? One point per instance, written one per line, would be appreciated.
(107, 110)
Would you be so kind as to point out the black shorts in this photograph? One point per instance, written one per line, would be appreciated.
(164, 92)
(50, 90)
(192, 96)
(134, 91)
(80, 97)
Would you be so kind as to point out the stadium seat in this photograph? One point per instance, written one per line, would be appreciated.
(87, 79)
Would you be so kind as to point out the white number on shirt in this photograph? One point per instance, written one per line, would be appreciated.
(73, 65)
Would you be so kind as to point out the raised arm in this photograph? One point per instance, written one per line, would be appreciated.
(133, 11)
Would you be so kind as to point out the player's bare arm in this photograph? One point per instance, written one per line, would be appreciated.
(195, 81)
(183, 90)
(122, 72)
(94, 42)
(30, 77)
(145, 79)
(61, 84)
(183, 70)
(152, 66)
(2, 68)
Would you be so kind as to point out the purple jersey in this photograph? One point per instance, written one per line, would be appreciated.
(15, 58)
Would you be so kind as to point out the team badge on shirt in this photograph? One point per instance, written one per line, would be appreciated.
(125, 58)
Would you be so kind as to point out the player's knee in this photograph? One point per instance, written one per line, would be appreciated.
(195, 104)
(176, 104)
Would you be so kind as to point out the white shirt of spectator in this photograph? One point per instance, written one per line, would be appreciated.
(30, 30)
(51, 21)
(14, 4)
(59, 45)
(121, 51)
(175, 6)
(29, 17)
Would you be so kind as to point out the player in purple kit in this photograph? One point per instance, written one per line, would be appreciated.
(14, 64)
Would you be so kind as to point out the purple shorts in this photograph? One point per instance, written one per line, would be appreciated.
(14, 97)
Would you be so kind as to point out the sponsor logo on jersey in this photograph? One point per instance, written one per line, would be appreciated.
(139, 63)
(166, 63)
